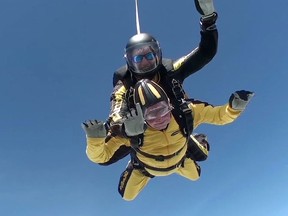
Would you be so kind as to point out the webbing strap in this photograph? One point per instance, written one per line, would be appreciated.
(178, 90)
(185, 116)
(138, 141)
(180, 163)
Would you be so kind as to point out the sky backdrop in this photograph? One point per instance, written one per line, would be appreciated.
(57, 58)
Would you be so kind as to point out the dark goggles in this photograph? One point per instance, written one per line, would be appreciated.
(138, 58)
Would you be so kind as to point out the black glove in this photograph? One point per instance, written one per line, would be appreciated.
(94, 128)
(208, 22)
(208, 14)
(239, 99)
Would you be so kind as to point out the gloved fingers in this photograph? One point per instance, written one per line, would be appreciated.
(248, 92)
(201, 137)
(84, 125)
(139, 110)
(90, 123)
(133, 113)
(94, 128)
(250, 95)
(244, 95)
(204, 7)
(87, 123)
(130, 113)
(236, 95)
(100, 126)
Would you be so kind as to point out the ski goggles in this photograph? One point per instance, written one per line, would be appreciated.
(160, 111)
(148, 56)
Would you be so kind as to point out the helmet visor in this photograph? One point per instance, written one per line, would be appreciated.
(143, 57)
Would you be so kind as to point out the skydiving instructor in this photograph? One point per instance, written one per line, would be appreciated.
(144, 60)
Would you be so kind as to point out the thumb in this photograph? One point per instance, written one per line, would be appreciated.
(139, 110)
(250, 95)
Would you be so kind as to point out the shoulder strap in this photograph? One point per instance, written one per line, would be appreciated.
(182, 113)
(125, 76)
(173, 88)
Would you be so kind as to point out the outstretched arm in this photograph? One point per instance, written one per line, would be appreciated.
(103, 149)
(207, 47)
(220, 115)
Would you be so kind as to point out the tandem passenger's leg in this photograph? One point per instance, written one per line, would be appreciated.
(132, 181)
(190, 169)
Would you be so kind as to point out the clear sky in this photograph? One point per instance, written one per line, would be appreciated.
(57, 58)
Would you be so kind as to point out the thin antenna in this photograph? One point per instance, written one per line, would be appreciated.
(137, 17)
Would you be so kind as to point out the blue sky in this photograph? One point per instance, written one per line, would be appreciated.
(57, 58)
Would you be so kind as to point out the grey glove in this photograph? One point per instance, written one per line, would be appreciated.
(239, 99)
(204, 7)
(94, 128)
(135, 123)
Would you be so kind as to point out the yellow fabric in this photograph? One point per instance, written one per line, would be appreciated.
(164, 142)
(118, 104)
(218, 115)
(137, 181)
(177, 64)
(189, 170)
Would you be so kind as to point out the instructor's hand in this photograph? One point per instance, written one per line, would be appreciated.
(204, 7)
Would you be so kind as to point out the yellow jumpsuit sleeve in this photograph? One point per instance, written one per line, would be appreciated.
(99, 151)
(217, 115)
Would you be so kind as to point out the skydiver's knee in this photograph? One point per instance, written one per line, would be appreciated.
(129, 198)
(190, 170)
(128, 194)
(197, 172)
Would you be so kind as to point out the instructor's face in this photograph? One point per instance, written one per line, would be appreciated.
(144, 59)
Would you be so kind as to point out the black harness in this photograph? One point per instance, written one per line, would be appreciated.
(181, 112)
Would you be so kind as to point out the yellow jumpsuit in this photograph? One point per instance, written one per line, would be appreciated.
(166, 142)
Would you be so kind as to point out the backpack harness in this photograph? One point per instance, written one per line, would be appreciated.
(181, 112)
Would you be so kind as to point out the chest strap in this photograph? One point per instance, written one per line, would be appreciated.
(183, 114)
(166, 169)
(138, 140)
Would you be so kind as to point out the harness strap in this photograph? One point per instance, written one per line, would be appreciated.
(178, 90)
(137, 141)
(184, 112)
(158, 157)
(180, 163)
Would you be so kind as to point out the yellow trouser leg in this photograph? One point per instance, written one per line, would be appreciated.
(132, 181)
(191, 170)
